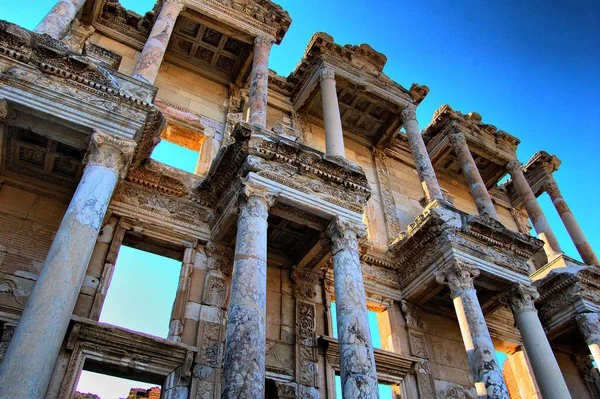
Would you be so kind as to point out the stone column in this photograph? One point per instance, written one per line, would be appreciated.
(58, 21)
(154, 50)
(459, 276)
(429, 182)
(334, 134)
(480, 194)
(259, 81)
(589, 325)
(29, 361)
(520, 299)
(357, 362)
(244, 366)
(538, 219)
(581, 243)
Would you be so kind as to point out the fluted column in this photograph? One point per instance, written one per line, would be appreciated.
(429, 182)
(589, 326)
(244, 365)
(459, 276)
(154, 50)
(357, 362)
(581, 243)
(538, 219)
(520, 299)
(334, 134)
(479, 191)
(259, 81)
(31, 355)
(58, 21)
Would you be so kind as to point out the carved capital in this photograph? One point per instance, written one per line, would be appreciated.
(3, 110)
(263, 43)
(344, 235)
(110, 151)
(304, 283)
(520, 298)
(513, 166)
(255, 201)
(458, 276)
(458, 139)
(589, 326)
(409, 114)
(179, 3)
(550, 186)
(326, 73)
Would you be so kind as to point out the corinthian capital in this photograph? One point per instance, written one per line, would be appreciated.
(458, 276)
(326, 73)
(255, 201)
(109, 151)
(513, 166)
(550, 185)
(409, 114)
(589, 326)
(178, 3)
(520, 298)
(264, 42)
(457, 139)
(344, 234)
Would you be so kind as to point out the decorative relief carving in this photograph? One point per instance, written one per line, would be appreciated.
(215, 291)
(387, 196)
(3, 110)
(412, 315)
(326, 73)
(589, 326)
(78, 34)
(304, 283)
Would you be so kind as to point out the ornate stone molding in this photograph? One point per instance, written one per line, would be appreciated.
(589, 326)
(412, 315)
(409, 113)
(255, 201)
(520, 298)
(109, 151)
(458, 276)
(326, 73)
(344, 235)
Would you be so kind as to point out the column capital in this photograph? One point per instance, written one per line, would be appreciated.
(255, 200)
(3, 110)
(550, 185)
(111, 152)
(589, 326)
(263, 42)
(326, 73)
(520, 298)
(458, 276)
(344, 234)
(457, 139)
(409, 113)
(513, 166)
(178, 3)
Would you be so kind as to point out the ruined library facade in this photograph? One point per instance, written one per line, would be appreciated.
(317, 208)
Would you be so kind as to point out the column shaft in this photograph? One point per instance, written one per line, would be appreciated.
(334, 134)
(259, 81)
(244, 365)
(540, 223)
(589, 325)
(58, 21)
(478, 343)
(479, 191)
(579, 239)
(31, 355)
(548, 376)
(429, 182)
(154, 50)
(357, 362)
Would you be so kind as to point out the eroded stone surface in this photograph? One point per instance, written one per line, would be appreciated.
(57, 22)
(259, 81)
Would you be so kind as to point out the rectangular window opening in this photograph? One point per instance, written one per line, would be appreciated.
(379, 326)
(95, 385)
(386, 391)
(143, 287)
(176, 156)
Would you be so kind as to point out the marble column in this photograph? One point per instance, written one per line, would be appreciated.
(429, 182)
(459, 276)
(244, 365)
(259, 81)
(154, 50)
(58, 21)
(540, 223)
(520, 298)
(334, 134)
(357, 362)
(581, 243)
(479, 191)
(589, 326)
(31, 355)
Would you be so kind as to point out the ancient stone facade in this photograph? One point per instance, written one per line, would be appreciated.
(309, 191)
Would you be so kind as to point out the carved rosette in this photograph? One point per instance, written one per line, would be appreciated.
(513, 166)
(458, 276)
(344, 235)
(326, 73)
(111, 152)
(589, 326)
(409, 114)
(255, 201)
(520, 298)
